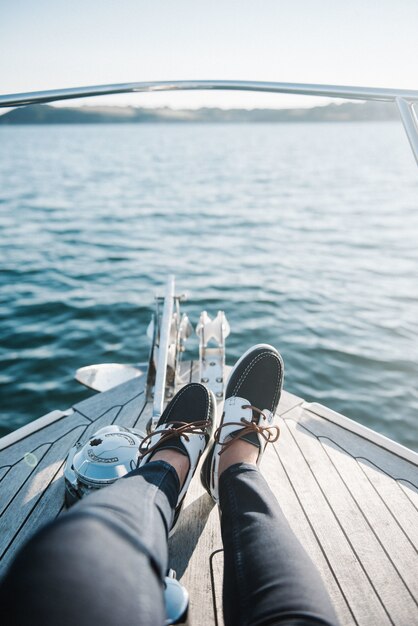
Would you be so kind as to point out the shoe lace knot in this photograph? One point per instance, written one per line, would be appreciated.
(269, 433)
(174, 431)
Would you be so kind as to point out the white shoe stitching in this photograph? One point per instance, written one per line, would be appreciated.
(178, 395)
(251, 365)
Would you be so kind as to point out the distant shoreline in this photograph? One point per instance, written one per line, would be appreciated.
(347, 112)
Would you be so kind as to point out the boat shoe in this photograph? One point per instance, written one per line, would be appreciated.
(251, 399)
(186, 426)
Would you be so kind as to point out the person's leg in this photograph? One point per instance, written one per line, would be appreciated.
(268, 577)
(104, 561)
(101, 563)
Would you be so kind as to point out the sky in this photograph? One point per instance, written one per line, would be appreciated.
(47, 44)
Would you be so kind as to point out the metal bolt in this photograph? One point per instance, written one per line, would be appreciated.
(219, 394)
(169, 393)
(212, 363)
(219, 380)
(204, 380)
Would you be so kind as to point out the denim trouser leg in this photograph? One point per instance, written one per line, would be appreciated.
(268, 577)
(101, 563)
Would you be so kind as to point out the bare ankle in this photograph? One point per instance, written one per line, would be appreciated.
(179, 461)
(238, 452)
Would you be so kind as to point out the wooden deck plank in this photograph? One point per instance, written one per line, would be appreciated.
(410, 490)
(376, 564)
(396, 460)
(281, 487)
(25, 431)
(131, 411)
(108, 417)
(119, 396)
(4, 471)
(287, 402)
(48, 507)
(19, 473)
(380, 519)
(355, 585)
(395, 499)
(22, 508)
(27, 498)
(196, 538)
(52, 432)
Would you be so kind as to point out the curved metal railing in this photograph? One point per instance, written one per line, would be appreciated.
(404, 98)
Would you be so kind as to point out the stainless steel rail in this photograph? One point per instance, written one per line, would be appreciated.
(410, 123)
(164, 342)
(328, 91)
(404, 98)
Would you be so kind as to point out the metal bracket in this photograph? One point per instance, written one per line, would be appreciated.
(212, 334)
(169, 331)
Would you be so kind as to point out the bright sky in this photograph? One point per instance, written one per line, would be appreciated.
(46, 44)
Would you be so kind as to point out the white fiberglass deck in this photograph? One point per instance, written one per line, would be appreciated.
(350, 495)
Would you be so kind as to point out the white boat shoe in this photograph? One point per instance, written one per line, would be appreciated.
(251, 399)
(186, 426)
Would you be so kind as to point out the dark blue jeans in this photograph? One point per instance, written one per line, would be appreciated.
(104, 561)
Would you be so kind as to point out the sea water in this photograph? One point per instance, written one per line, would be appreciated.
(306, 235)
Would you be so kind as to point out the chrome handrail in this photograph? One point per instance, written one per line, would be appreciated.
(404, 98)
(164, 342)
(306, 89)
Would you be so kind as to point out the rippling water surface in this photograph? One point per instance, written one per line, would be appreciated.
(306, 235)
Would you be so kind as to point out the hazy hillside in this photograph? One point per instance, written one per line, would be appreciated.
(347, 112)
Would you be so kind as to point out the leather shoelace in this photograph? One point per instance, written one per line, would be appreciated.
(269, 433)
(176, 430)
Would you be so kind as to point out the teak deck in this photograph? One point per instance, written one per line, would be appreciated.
(349, 494)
